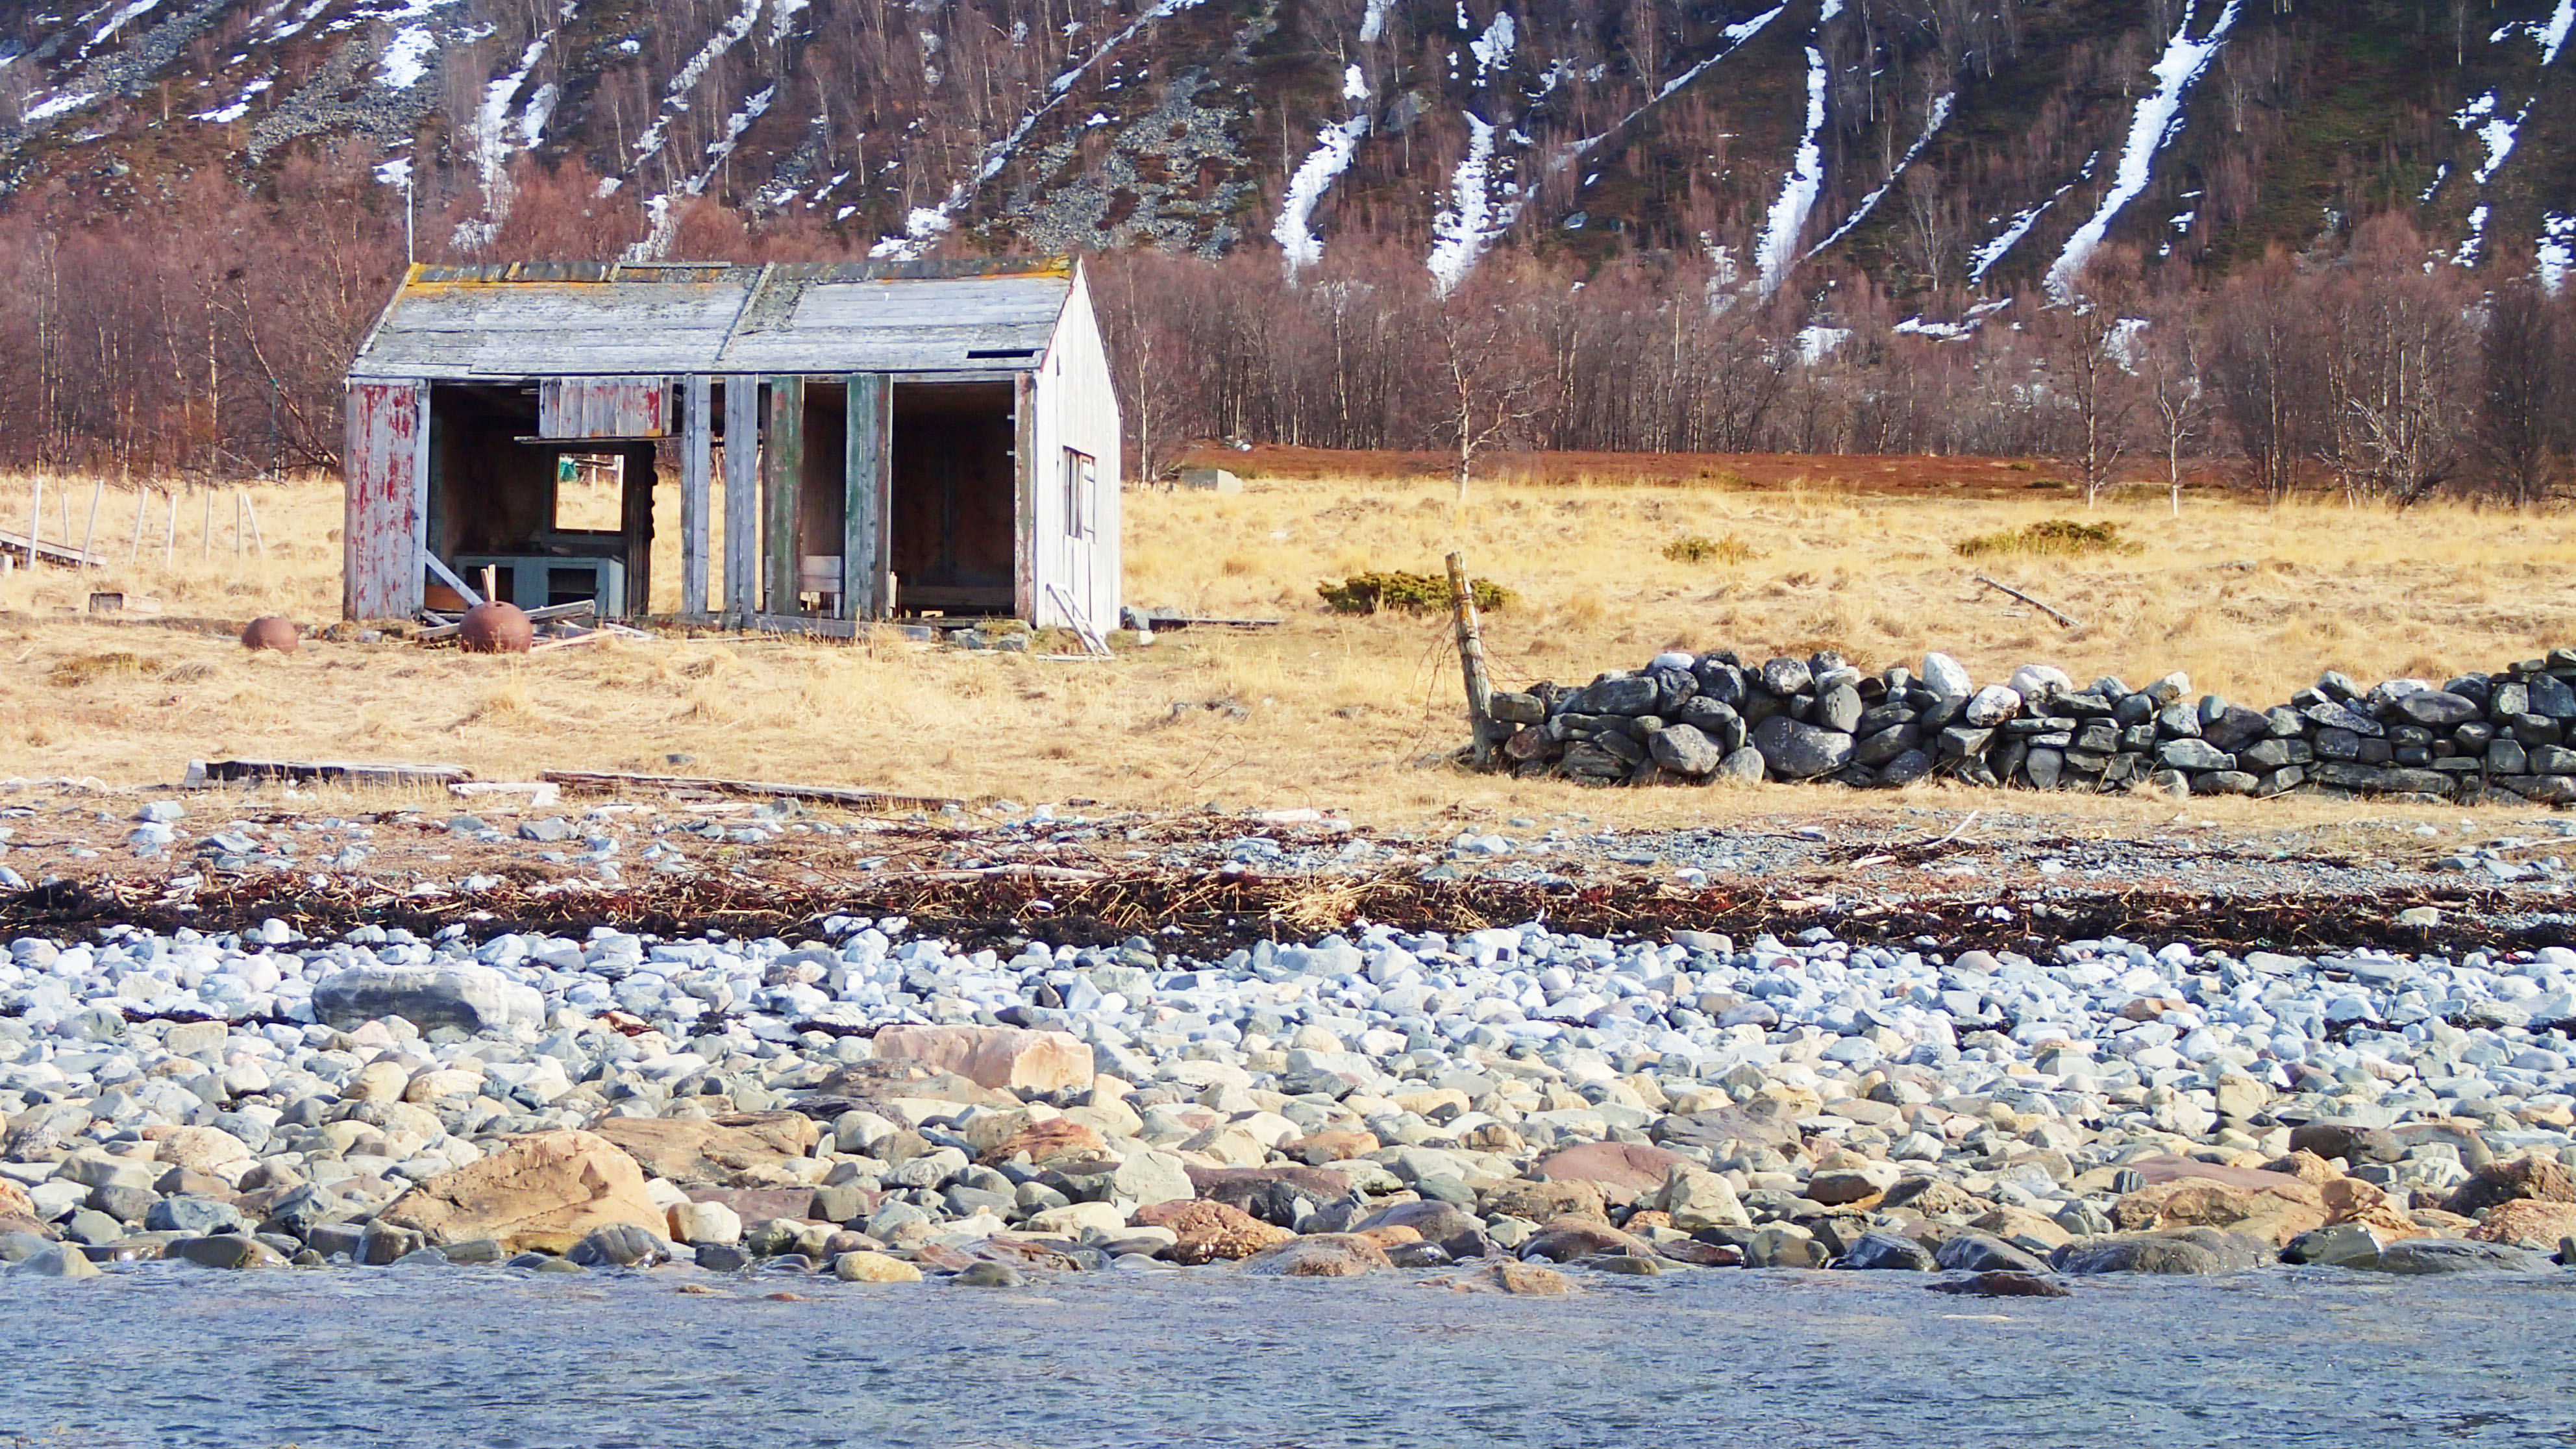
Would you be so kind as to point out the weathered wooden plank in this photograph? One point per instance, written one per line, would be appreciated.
(347, 772)
(696, 449)
(603, 407)
(1024, 486)
(384, 462)
(866, 542)
(782, 470)
(742, 498)
(825, 794)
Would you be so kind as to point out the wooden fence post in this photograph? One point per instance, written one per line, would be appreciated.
(1471, 661)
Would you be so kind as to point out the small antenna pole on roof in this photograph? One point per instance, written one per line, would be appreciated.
(408, 256)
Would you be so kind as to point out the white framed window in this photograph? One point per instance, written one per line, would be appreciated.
(1081, 492)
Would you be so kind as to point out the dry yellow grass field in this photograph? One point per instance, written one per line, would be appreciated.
(1324, 710)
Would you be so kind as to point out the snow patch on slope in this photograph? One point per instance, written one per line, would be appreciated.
(2556, 252)
(2554, 34)
(1779, 245)
(2494, 132)
(1493, 49)
(1932, 124)
(240, 107)
(1734, 37)
(666, 216)
(406, 60)
(1983, 258)
(1373, 22)
(491, 141)
(675, 96)
(1468, 225)
(2157, 121)
(1331, 156)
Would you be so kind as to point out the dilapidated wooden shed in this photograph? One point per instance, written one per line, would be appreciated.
(883, 440)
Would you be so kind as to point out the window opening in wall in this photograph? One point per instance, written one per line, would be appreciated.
(1081, 483)
(589, 493)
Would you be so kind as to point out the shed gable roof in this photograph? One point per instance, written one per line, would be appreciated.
(530, 320)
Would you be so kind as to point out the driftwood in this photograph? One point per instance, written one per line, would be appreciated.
(343, 771)
(611, 780)
(2063, 621)
(436, 632)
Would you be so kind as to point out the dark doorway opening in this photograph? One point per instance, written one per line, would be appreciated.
(955, 507)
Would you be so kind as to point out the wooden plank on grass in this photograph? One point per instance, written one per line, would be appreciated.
(340, 771)
(610, 780)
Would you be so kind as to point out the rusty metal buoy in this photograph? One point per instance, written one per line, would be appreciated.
(495, 628)
(272, 631)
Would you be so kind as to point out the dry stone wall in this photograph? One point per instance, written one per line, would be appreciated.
(2508, 736)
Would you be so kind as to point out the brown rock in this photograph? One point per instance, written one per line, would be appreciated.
(2167, 1167)
(1644, 1218)
(1321, 1255)
(2306, 1167)
(2527, 1223)
(1565, 1239)
(1623, 1170)
(2279, 1210)
(202, 1149)
(1006, 1058)
(544, 1191)
(1531, 1281)
(1050, 1142)
(1541, 1201)
(1317, 1148)
(14, 1202)
(2002, 1283)
(739, 1149)
(271, 631)
(2540, 1178)
(760, 1204)
(2351, 1142)
(1389, 1235)
(498, 627)
(2014, 1222)
(1210, 1231)
(1930, 1196)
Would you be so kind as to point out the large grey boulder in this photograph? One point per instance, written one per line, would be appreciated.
(1796, 750)
(471, 998)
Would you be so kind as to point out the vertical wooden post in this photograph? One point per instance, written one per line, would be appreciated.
(696, 453)
(258, 540)
(89, 533)
(170, 532)
(237, 525)
(134, 546)
(35, 520)
(782, 487)
(865, 497)
(206, 537)
(1471, 661)
(742, 499)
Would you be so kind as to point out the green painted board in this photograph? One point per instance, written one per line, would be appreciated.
(865, 550)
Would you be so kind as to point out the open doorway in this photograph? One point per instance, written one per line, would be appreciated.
(955, 504)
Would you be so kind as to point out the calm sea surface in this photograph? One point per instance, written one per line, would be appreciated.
(164, 1354)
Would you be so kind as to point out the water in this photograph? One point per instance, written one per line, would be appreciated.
(163, 1354)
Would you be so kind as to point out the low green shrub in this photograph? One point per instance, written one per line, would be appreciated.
(1412, 593)
(2062, 536)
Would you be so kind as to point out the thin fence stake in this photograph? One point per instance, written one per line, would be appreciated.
(206, 539)
(134, 547)
(89, 534)
(237, 525)
(1471, 661)
(258, 540)
(170, 533)
(36, 520)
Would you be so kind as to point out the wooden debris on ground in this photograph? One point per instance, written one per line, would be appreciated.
(218, 772)
(856, 799)
(2064, 621)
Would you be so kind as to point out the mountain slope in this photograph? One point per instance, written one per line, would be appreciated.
(1934, 144)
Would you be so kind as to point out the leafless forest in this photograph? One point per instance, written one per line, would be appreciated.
(208, 339)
